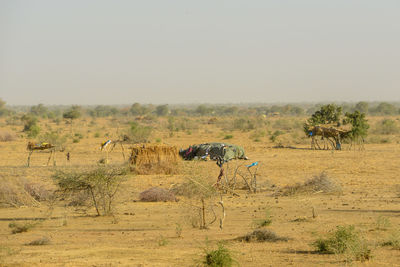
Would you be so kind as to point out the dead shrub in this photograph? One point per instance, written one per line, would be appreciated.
(262, 235)
(14, 194)
(318, 184)
(38, 191)
(39, 242)
(194, 189)
(7, 136)
(101, 184)
(79, 199)
(156, 194)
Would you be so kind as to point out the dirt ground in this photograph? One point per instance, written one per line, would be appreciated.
(146, 234)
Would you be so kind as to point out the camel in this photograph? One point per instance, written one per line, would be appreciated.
(31, 147)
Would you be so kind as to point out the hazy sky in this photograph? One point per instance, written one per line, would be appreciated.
(170, 51)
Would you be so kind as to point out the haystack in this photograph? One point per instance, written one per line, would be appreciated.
(154, 159)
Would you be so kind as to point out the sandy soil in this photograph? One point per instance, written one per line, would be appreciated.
(145, 234)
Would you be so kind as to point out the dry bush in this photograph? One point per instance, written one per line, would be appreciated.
(7, 136)
(39, 242)
(16, 192)
(318, 184)
(156, 194)
(38, 191)
(79, 199)
(101, 183)
(262, 235)
(155, 159)
(194, 188)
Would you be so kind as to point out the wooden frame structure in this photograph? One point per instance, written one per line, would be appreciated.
(31, 147)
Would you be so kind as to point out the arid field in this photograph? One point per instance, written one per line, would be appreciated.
(166, 234)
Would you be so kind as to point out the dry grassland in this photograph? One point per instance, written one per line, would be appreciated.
(161, 234)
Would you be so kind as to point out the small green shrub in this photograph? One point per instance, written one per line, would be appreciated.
(17, 228)
(393, 241)
(275, 135)
(178, 230)
(387, 126)
(138, 133)
(345, 240)
(228, 136)
(220, 257)
(162, 241)
(257, 135)
(267, 220)
(382, 223)
(78, 135)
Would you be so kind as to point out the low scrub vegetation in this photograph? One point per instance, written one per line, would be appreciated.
(100, 184)
(262, 235)
(219, 257)
(318, 184)
(39, 242)
(387, 126)
(6, 136)
(17, 228)
(17, 191)
(157, 194)
(345, 240)
(265, 221)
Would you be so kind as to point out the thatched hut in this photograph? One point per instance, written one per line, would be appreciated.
(154, 159)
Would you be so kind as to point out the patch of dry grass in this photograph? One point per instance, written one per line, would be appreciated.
(6, 136)
(318, 184)
(157, 194)
(262, 235)
(17, 191)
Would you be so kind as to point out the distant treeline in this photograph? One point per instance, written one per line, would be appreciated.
(136, 109)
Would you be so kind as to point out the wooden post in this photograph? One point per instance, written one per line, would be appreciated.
(123, 151)
(221, 220)
(29, 157)
(51, 153)
(204, 214)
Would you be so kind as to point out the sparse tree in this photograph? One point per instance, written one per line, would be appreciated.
(39, 110)
(138, 133)
(137, 109)
(327, 114)
(30, 125)
(162, 110)
(359, 124)
(3, 109)
(73, 113)
(100, 185)
(362, 107)
(385, 109)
